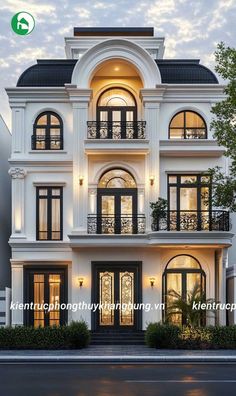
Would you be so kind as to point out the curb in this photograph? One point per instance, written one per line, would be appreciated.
(118, 359)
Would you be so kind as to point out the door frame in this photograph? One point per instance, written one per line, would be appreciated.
(123, 266)
(117, 193)
(27, 289)
(123, 110)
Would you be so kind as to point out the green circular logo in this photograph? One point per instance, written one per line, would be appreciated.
(22, 23)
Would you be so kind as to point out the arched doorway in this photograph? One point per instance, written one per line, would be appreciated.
(117, 203)
(182, 274)
(116, 114)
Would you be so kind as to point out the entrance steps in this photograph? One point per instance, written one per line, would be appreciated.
(117, 338)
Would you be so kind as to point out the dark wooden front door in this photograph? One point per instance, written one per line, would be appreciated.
(117, 288)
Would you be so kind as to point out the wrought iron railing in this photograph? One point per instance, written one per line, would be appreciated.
(192, 220)
(42, 142)
(129, 224)
(190, 133)
(116, 130)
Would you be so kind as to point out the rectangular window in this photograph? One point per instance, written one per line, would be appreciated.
(49, 213)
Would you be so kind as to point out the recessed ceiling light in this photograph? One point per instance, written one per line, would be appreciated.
(116, 68)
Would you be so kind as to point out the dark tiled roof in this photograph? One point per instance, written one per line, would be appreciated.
(57, 72)
(185, 71)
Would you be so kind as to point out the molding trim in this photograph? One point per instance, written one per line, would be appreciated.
(17, 173)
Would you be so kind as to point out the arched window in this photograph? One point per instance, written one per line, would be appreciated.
(187, 125)
(116, 97)
(183, 275)
(117, 115)
(48, 132)
(117, 178)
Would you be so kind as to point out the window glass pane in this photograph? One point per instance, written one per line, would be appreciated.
(40, 132)
(117, 178)
(204, 198)
(129, 116)
(126, 317)
(42, 120)
(43, 192)
(188, 199)
(116, 97)
(106, 300)
(193, 120)
(126, 205)
(54, 120)
(103, 115)
(174, 283)
(183, 262)
(193, 281)
(173, 198)
(178, 121)
(39, 299)
(54, 298)
(56, 219)
(108, 205)
(43, 223)
(55, 132)
(172, 179)
(188, 179)
(56, 192)
(176, 133)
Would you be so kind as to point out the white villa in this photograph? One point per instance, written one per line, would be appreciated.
(96, 137)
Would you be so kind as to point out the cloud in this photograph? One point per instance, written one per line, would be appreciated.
(192, 28)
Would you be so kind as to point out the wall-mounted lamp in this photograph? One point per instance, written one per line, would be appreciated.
(81, 180)
(81, 281)
(152, 178)
(152, 281)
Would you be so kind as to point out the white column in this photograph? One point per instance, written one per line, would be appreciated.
(80, 100)
(18, 202)
(17, 315)
(223, 264)
(18, 128)
(151, 99)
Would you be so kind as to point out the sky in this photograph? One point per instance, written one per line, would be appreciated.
(192, 29)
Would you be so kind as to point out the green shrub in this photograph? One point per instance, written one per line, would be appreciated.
(76, 335)
(223, 337)
(170, 336)
(162, 336)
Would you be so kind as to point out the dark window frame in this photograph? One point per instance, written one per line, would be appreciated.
(49, 198)
(184, 127)
(48, 126)
(183, 272)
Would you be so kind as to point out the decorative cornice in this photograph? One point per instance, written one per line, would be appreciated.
(17, 173)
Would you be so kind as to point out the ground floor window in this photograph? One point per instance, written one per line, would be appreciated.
(183, 275)
(45, 286)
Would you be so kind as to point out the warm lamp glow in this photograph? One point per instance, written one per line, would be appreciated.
(116, 68)
(152, 178)
(152, 281)
(81, 281)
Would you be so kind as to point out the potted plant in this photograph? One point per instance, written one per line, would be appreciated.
(159, 213)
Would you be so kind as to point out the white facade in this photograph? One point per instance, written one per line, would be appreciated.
(79, 166)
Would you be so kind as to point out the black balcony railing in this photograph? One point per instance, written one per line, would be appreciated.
(116, 130)
(192, 220)
(42, 142)
(129, 224)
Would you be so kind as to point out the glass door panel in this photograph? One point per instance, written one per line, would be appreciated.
(126, 209)
(174, 283)
(116, 124)
(126, 286)
(39, 315)
(106, 298)
(192, 281)
(54, 298)
(188, 202)
(108, 214)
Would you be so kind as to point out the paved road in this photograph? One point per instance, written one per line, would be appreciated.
(65, 379)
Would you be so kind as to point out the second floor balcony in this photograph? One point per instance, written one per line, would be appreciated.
(108, 224)
(116, 129)
(192, 220)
